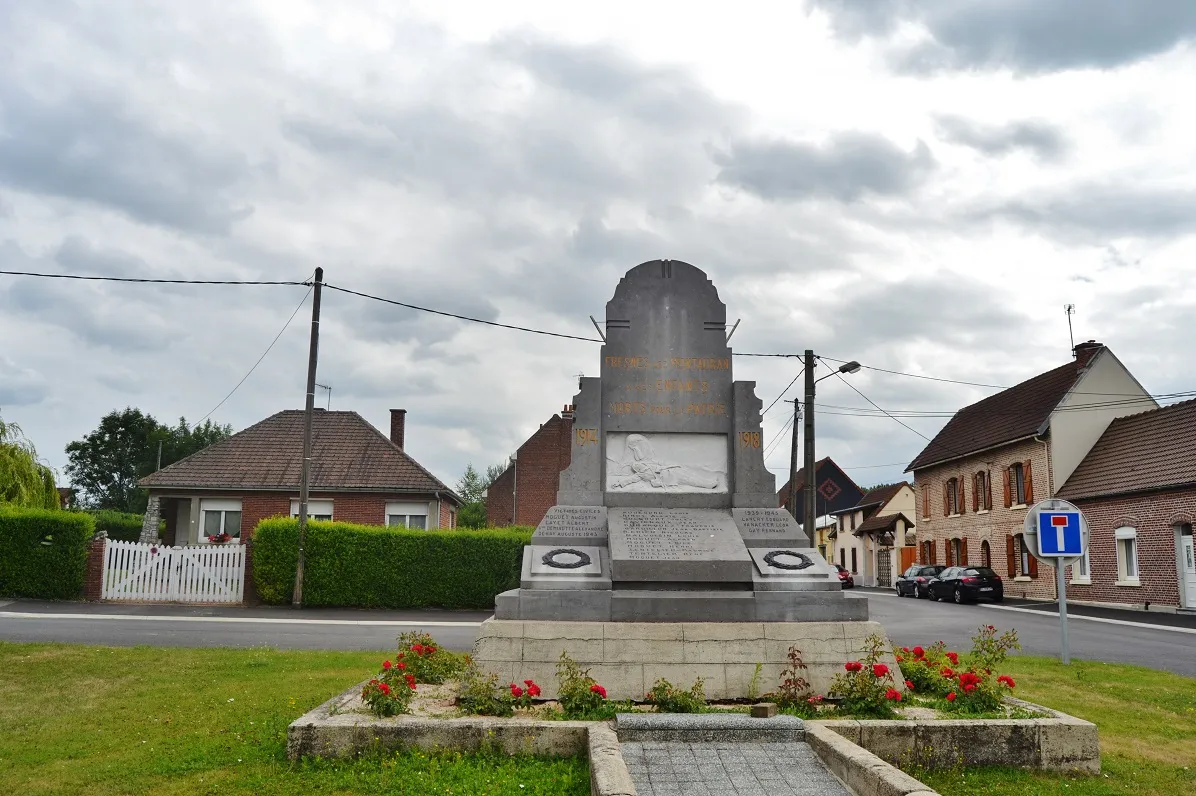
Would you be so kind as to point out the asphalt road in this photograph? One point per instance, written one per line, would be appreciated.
(907, 621)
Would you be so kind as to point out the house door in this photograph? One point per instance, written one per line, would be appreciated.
(1188, 553)
(884, 568)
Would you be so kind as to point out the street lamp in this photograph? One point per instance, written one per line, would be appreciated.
(811, 511)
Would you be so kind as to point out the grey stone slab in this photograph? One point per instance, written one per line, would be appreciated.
(769, 527)
(506, 605)
(806, 606)
(564, 526)
(565, 567)
(582, 605)
(693, 727)
(682, 606)
(680, 544)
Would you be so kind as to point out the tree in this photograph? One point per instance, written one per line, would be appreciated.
(107, 463)
(472, 489)
(24, 481)
(471, 485)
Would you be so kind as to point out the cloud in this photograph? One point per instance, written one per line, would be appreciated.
(1023, 35)
(1041, 139)
(846, 167)
(20, 386)
(1094, 213)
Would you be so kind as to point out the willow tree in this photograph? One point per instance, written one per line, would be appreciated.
(24, 481)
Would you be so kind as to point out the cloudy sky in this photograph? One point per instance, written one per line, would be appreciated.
(920, 185)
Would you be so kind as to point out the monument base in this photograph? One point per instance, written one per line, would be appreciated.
(628, 657)
(679, 605)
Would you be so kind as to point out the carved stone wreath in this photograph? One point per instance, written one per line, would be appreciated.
(549, 559)
(771, 560)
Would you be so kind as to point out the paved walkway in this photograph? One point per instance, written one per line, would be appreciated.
(673, 768)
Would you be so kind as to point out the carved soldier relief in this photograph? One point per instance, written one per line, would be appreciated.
(666, 463)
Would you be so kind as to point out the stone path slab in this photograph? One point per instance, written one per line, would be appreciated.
(674, 768)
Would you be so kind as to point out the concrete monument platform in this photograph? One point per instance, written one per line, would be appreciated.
(666, 515)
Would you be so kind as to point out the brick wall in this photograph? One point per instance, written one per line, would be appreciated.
(527, 490)
(93, 579)
(1155, 516)
(992, 525)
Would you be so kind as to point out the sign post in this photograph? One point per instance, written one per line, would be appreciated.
(1057, 535)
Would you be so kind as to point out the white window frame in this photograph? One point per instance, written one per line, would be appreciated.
(222, 507)
(316, 509)
(406, 510)
(1128, 571)
(1081, 571)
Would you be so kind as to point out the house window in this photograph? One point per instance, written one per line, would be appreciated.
(452, 518)
(1080, 572)
(952, 496)
(853, 526)
(1024, 557)
(219, 516)
(1017, 484)
(407, 515)
(853, 560)
(1127, 556)
(925, 502)
(843, 557)
(985, 554)
(927, 552)
(822, 552)
(982, 496)
(957, 553)
(316, 509)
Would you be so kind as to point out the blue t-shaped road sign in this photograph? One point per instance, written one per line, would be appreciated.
(1059, 534)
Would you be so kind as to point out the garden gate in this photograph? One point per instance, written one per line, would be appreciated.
(152, 573)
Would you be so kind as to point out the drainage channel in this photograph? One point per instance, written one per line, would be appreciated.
(713, 754)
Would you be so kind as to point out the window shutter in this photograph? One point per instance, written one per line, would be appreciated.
(947, 499)
(933, 553)
(975, 493)
(988, 488)
(1008, 500)
(963, 552)
(1033, 563)
(1029, 478)
(1010, 553)
(960, 502)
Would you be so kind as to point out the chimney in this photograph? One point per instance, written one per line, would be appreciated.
(398, 426)
(1086, 351)
(567, 412)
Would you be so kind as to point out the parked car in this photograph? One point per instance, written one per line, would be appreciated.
(967, 584)
(913, 581)
(845, 577)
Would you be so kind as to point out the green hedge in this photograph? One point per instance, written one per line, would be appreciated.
(369, 566)
(121, 526)
(43, 553)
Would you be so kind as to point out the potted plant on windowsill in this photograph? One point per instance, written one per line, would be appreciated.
(219, 538)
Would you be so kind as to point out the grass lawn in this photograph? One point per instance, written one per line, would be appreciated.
(100, 720)
(1147, 723)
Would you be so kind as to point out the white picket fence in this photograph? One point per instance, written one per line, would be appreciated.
(199, 574)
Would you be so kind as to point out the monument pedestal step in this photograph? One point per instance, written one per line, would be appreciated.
(636, 605)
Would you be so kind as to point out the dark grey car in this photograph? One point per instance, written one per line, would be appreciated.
(913, 582)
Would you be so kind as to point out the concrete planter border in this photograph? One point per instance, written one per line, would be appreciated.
(1056, 742)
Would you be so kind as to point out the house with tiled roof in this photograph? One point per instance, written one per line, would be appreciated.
(998, 456)
(833, 489)
(1137, 488)
(876, 537)
(358, 474)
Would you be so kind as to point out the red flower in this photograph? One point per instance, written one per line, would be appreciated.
(918, 652)
(1006, 679)
(900, 659)
(533, 689)
(951, 697)
(853, 666)
(905, 650)
(599, 690)
(879, 670)
(410, 681)
(386, 664)
(893, 694)
(969, 688)
(373, 682)
(402, 666)
(516, 691)
(946, 672)
(384, 688)
(909, 684)
(429, 650)
(953, 657)
(417, 648)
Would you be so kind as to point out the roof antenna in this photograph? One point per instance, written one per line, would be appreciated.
(1070, 309)
(326, 387)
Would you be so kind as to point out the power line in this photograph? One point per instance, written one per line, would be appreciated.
(465, 317)
(869, 400)
(150, 281)
(782, 395)
(259, 359)
(779, 436)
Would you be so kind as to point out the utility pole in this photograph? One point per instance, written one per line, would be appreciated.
(159, 455)
(811, 520)
(1070, 309)
(308, 410)
(791, 498)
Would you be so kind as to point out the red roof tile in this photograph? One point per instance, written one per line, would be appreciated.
(347, 453)
(1137, 453)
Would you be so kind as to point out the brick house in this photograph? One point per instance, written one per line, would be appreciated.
(1137, 488)
(995, 458)
(834, 491)
(875, 538)
(358, 475)
(527, 489)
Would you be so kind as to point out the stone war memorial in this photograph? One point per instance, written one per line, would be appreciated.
(666, 554)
